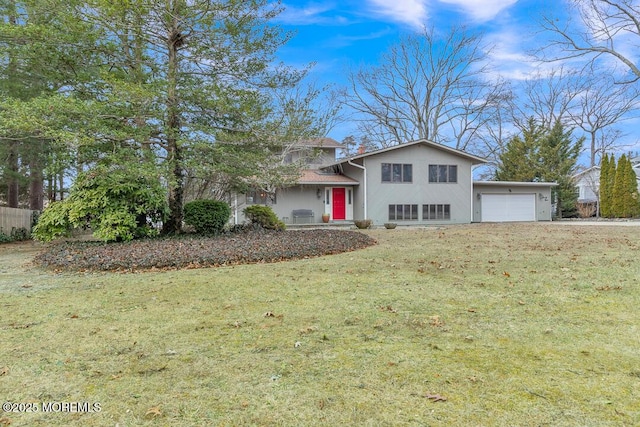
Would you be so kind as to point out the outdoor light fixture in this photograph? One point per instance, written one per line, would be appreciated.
(318, 193)
(478, 196)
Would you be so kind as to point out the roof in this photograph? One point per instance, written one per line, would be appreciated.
(586, 171)
(460, 153)
(310, 176)
(320, 143)
(515, 184)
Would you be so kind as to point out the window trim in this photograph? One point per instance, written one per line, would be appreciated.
(403, 170)
(403, 212)
(437, 170)
(439, 211)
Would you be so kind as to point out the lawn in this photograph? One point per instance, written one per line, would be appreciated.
(473, 325)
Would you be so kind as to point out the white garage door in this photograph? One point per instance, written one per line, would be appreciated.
(508, 207)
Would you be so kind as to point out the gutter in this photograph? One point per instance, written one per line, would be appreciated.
(364, 172)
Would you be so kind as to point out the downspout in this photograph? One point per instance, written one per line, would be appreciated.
(235, 208)
(473, 193)
(364, 173)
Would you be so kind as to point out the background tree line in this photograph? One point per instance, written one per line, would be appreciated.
(187, 95)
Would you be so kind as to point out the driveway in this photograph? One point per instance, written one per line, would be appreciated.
(619, 223)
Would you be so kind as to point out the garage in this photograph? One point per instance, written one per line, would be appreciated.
(509, 201)
(508, 207)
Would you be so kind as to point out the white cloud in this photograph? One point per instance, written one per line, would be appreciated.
(412, 12)
(313, 13)
(507, 57)
(347, 40)
(482, 10)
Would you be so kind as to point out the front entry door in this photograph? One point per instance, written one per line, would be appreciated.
(339, 211)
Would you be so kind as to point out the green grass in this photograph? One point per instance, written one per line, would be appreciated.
(513, 324)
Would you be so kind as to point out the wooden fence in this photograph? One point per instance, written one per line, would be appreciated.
(11, 218)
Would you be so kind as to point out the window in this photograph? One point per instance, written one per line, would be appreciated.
(397, 172)
(403, 212)
(260, 198)
(443, 173)
(435, 212)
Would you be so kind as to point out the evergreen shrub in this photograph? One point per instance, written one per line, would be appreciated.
(264, 217)
(207, 216)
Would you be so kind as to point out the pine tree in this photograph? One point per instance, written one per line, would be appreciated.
(618, 205)
(558, 157)
(605, 192)
(544, 155)
(631, 203)
(611, 179)
(519, 161)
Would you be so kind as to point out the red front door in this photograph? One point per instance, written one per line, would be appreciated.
(339, 208)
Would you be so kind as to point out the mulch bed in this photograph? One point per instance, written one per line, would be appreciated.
(197, 251)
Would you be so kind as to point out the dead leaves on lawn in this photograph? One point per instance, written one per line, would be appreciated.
(153, 412)
(609, 288)
(388, 308)
(435, 397)
(436, 322)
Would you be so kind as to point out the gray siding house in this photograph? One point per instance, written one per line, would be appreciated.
(588, 182)
(416, 182)
(419, 182)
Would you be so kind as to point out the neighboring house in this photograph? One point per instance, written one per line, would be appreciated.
(419, 182)
(588, 182)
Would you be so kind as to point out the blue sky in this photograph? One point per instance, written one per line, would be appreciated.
(339, 35)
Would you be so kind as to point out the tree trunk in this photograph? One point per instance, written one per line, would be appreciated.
(13, 185)
(174, 153)
(36, 188)
(36, 178)
(60, 185)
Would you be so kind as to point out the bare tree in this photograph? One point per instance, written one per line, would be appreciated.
(427, 86)
(604, 28)
(601, 106)
(491, 141)
(548, 98)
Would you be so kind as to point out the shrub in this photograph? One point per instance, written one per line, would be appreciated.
(586, 210)
(53, 222)
(264, 217)
(207, 216)
(17, 234)
(4, 238)
(118, 203)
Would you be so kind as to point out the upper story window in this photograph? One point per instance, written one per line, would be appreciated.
(397, 172)
(443, 173)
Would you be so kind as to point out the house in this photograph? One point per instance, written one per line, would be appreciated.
(419, 182)
(588, 182)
